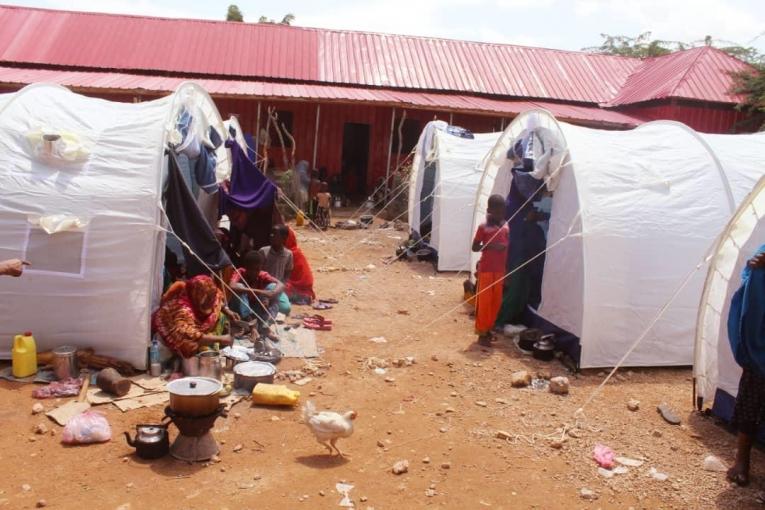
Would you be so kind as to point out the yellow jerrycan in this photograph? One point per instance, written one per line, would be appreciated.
(300, 219)
(24, 355)
(274, 395)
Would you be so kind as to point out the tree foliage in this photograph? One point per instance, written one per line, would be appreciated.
(234, 13)
(288, 19)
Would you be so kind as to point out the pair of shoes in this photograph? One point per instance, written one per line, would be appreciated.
(318, 323)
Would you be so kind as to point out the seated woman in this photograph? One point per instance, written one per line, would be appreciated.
(300, 283)
(188, 315)
(257, 293)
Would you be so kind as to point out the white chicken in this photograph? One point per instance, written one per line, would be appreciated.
(328, 426)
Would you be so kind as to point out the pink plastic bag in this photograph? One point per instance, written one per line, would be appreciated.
(87, 427)
(604, 456)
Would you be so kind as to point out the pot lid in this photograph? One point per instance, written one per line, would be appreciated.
(544, 345)
(255, 369)
(194, 386)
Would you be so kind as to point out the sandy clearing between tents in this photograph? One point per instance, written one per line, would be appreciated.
(406, 416)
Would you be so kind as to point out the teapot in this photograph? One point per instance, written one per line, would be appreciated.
(151, 441)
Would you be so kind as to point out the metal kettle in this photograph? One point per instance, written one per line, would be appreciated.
(151, 441)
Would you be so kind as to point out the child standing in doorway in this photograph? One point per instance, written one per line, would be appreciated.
(324, 199)
(491, 239)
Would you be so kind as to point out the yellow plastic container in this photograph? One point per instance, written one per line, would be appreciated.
(274, 395)
(24, 355)
(300, 220)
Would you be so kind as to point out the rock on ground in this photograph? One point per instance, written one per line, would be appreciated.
(559, 385)
(400, 467)
(520, 379)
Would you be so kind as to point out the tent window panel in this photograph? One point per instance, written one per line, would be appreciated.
(410, 135)
(14, 235)
(286, 119)
(60, 253)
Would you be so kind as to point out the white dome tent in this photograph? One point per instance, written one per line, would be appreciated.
(716, 373)
(634, 212)
(445, 174)
(80, 198)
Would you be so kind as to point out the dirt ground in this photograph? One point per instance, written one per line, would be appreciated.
(441, 414)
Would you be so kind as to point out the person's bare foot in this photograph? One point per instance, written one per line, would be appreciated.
(739, 474)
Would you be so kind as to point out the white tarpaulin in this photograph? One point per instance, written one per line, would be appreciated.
(89, 225)
(633, 215)
(714, 366)
(458, 170)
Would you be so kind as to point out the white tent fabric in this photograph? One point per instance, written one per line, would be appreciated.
(458, 172)
(422, 155)
(633, 214)
(714, 366)
(94, 281)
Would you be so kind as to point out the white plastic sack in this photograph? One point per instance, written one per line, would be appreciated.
(85, 428)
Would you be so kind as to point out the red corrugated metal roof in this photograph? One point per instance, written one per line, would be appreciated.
(697, 74)
(271, 90)
(246, 50)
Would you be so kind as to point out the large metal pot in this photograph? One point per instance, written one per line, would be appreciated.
(194, 396)
(247, 375)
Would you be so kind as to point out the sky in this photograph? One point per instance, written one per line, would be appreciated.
(562, 24)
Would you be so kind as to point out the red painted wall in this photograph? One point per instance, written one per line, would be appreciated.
(707, 118)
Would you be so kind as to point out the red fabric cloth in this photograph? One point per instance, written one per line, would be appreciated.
(488, 300)
(300, 285)
(261, 282)
(491, 236)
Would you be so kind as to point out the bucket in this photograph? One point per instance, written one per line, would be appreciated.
(300, 219)
(65, 362)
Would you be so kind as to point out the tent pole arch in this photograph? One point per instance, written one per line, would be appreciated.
(718, 165)
(28, 88)
(734, 233)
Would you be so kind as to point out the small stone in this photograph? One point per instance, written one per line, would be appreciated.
(322, 493)
(481, 403)
(520, 379)
(237, 416)
(380, 444)
(426, 460)
(275, 418)
(588, 495)
(37, 408)
(26, 487)
(41, 428)
(501, 401)
(434, 357)
(257, 477)
(633, 405)
(501, 434)
(559, 385)
(657, 433)
(32, 439)
(222, 469)
(443, 430)
(238, 448)
(41, 503)
(449, 410)
(363, 499)
(430, 493)
(130, 485)
(215, 459)
(453, 394)
(556, 444)
(390, 379)
(400, 467)
(544, 374)
(446, 465)
(712, 463)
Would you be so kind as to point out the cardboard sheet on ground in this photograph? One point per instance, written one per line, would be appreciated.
(98, 397)
(148, 382)
(63, 413)
(42, 376)
(146, 400)
(298, 343)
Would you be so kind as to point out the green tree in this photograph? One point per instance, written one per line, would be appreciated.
(234, 14)
(641, 46)
(288, 19)
(751, 84)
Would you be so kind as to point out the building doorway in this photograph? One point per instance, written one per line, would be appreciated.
(355, 159)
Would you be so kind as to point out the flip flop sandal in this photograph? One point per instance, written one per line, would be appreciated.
(317, 326)
(331, 301)
(668, 414)
(322, 306)
(319, 318)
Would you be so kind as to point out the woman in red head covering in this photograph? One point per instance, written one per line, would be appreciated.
(300, 284)
(188, 314)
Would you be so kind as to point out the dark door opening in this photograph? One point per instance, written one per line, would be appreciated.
(355, 159)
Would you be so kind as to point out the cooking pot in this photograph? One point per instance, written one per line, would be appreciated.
(233, 356)
(528, 338)
(262, 351)
(544, 349)
(247, 375)
(151, 441)
(194, 396)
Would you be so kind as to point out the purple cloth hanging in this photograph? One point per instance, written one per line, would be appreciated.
(249, 189)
